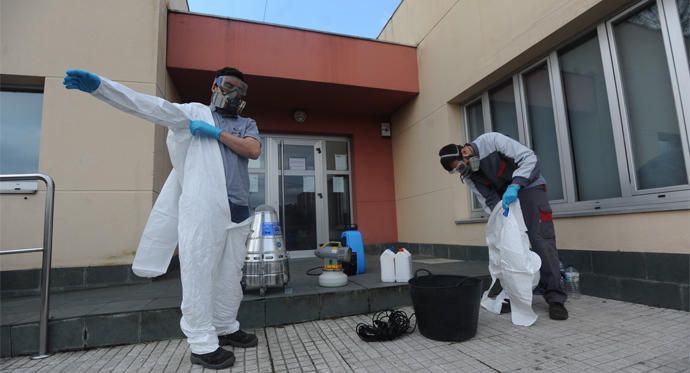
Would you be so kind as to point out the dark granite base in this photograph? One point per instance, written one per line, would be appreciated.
(654, 279)
(149, 312)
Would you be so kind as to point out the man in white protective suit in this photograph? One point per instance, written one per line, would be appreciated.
(499, 169)
(202, 208)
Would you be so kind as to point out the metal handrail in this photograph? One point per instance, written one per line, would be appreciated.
(47, 250)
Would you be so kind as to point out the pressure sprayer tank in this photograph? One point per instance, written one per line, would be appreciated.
(353, 240)
(266, 263)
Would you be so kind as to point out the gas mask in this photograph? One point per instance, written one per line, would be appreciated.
(464, 169)
(228, 97)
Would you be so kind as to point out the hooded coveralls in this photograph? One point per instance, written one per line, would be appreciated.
(504, 161)
(192, 210)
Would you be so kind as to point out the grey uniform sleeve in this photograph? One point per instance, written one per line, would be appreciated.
(527, 162)
(486, 196)
(252, 130)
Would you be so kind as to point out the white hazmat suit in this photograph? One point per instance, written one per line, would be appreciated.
(192, 210)
(511, 261)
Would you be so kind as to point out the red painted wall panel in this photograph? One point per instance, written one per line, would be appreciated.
(205, 43)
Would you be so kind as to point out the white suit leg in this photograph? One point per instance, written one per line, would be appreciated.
(227, 290)
(198, 274)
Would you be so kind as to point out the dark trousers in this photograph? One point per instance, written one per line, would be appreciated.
(238, 213)
(538, 219)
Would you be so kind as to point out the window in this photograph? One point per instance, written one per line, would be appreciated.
(684, 17)
(647, 101)
(338, 184)
(607, 113)
(475, 127)
(475, 120)
(589, 121)
(20, 133)
(542, 127)
(503, 114)
(257, 178)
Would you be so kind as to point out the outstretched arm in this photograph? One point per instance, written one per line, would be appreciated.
(151, 108)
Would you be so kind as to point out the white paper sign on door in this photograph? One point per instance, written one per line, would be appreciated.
(341, 162)
(298, 164)
(308, 184)
(253, 183)
(338, 184)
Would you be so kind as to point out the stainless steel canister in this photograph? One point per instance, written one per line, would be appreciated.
(266, 264)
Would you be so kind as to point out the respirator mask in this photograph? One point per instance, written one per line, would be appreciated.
(228, 96)
(462, 169)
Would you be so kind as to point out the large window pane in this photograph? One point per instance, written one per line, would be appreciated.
(257, 190)
(475, 120)
(542, 128)
(299, 204)
(338, 205)
(475, 125)
(684, 12)
(503, 115)
(337, 157)
(299, 158)
(652, 119)
(589, 121)
(20, 131)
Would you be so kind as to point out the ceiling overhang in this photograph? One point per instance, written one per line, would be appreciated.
(289, 69)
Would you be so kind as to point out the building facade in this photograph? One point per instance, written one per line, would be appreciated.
(600, 91)
(320, 102)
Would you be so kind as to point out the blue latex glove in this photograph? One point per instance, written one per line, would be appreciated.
(82, 80)
(511, 195)
(199, 127)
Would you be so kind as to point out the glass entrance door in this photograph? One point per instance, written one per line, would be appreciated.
(310, 192)
(299, 193)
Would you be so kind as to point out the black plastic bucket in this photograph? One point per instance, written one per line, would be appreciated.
(446, 306)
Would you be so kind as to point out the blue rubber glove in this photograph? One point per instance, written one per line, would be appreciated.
(199, 127)
(511, 195)
(82, 80)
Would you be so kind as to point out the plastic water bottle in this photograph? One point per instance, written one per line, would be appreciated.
(387, 260)
(403, 265)
(572, 281)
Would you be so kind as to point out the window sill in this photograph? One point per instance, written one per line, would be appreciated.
(573, 213)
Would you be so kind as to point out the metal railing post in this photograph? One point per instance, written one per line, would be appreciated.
(47, 251)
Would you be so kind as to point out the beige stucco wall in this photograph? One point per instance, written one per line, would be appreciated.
(413, 20)
(461, 51)
(108, 166)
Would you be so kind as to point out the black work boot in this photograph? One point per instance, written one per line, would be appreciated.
(238, 339)
(557, 311)
(218, 359)
(505, 306)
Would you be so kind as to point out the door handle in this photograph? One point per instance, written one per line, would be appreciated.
(320, 195)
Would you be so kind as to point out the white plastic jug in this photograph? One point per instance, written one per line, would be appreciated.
(387, 266)
(403, 265)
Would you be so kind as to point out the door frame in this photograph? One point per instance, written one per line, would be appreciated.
(273, 174)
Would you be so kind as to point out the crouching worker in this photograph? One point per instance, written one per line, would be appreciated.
(500, 169)
(208, 188)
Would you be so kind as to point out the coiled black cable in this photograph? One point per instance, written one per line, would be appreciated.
(386, 326)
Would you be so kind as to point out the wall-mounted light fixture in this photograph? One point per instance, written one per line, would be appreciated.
(300, 116)
(385, 129)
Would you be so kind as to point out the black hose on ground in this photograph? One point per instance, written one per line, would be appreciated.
(386, 325)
